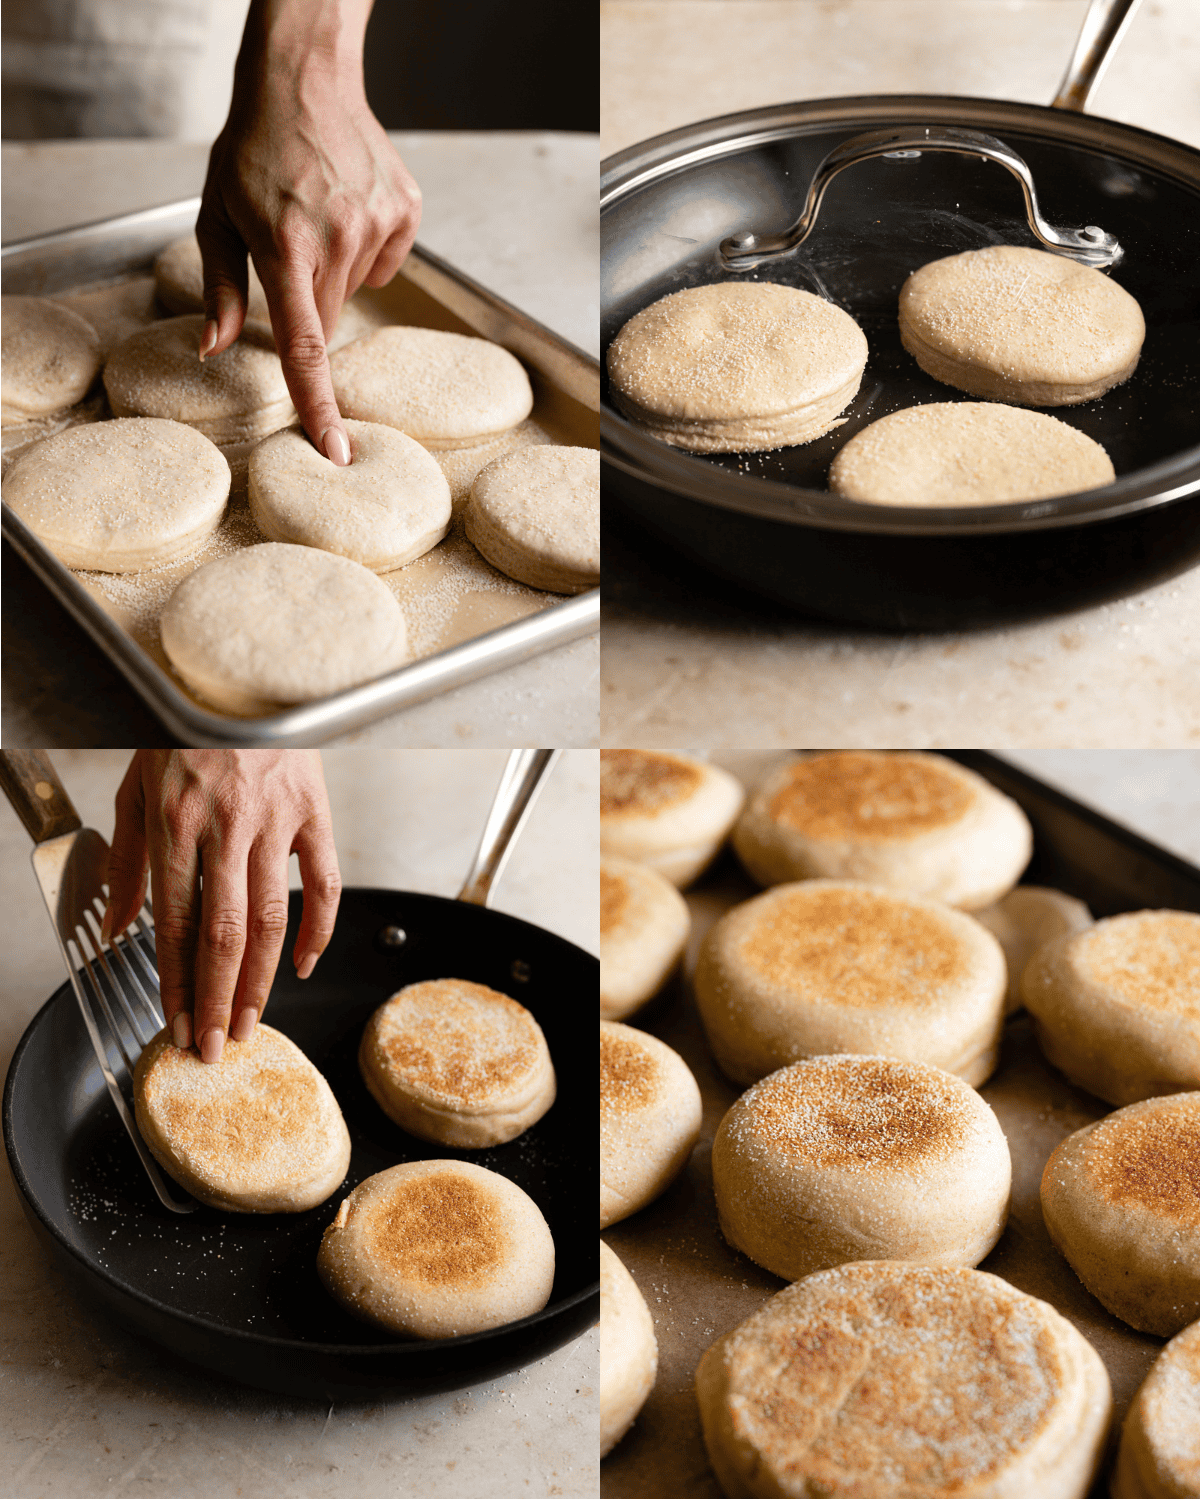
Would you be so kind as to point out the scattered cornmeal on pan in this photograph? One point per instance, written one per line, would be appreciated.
(860, 1158)
(1121, 1199)
(435, 1249)
(257, 1132)
(1021, 325)
(666, 810)
(737, 367)
(628, 1350)
(879, 1378)
(1160, 1442)
(967, 453)
(457, 1063)
(912, 822)
(1117, 1006)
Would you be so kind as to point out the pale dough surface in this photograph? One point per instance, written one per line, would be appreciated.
(1026, 918)
(967, 453)
(434, 1249)
(1121, 1199)
(50, 356)
(737, 367)
(535, 515)
(1116, 1007)
(231, 397)
(828, 966)
(1021, 325)
(667, 810)
(644, 927)
(257, 1132)
(879, 1378)
(1160, 1442)
(387, 507)
(444, 389)
(458, 1063)
(115, 311)
(277, 624)
(849, 1158)
(628, 1350)
(904, 819)
(122, 495)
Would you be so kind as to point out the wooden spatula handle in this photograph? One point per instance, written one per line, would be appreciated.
(31, 784)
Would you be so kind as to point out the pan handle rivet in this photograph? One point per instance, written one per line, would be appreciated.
(520, 971)
(393, 937)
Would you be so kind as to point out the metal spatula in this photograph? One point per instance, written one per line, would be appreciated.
(115, 984)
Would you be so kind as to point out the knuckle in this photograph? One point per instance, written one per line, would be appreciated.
(327, 885)
(304, 351)
(269, 922)
(175, 929)
(224, 935)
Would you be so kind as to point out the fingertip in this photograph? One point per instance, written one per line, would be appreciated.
(212, 1044)
(336, 447)
(181, 1030)
(208, 339)
(306, 964)
(244, 1023)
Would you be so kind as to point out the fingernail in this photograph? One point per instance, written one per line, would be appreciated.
(106, 923)
(243, 1027)
(306, 965)
(208, 339)
(212, 1044)
(337, 449)
(181, 1029)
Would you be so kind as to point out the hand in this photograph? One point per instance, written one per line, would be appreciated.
(304, 177)
(233, 817)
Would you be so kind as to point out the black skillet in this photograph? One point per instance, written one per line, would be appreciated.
(238, 1294)
(767, 521)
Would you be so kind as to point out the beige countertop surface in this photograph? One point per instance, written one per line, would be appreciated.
(92, 1410)
(516, 211)
(687, 658)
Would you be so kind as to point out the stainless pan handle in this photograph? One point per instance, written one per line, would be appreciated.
(1090, 246)
(524, 775)
(1102, 29)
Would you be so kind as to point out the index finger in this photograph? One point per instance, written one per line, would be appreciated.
(300, 340)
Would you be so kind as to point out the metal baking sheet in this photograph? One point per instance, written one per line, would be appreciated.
(428, 291)
(697, 1288)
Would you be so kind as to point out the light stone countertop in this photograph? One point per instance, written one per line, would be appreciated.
(516, 210)
(687, 659)
(91, 1410)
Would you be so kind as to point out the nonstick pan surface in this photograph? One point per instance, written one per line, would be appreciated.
(239, 1293)
(768, 520)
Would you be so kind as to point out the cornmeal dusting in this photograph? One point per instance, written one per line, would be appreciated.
(614, 898)
(854, 794)
(1150, 959)
(1150, 1159)
(630, 1077)
(440, 1229)
(642, 783)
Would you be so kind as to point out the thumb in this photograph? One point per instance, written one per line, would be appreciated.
(128, 858)
(300, 340)
(225, 283)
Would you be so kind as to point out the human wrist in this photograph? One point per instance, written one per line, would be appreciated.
(292, 42)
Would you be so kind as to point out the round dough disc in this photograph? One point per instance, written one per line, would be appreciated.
(50, 356)
(121, 495)
(179, 279)
(666, 810)
(879, 1378)
(535, 515)
(1160, 1442)
(257, 1132)
(231, 397)
(273, 625)
(1021, 325)
(737, 367)
(628, 1350)
(457, 1063)
(644, 927)
(389, 506)
(1026, 918)
(438, 1248)
(444, 389)
(968, 453)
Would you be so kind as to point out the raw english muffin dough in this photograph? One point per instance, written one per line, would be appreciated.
(231, 397)
(274, 625)
(628, 1350)
(834, 966)
(885, 1379)
(50, 356)
(1026, 918)
(666, 810)
(913, 822)
(444, 389)
(644, 927)
(258, 1132)
(968, 453)
(1121, 1199)
(435, 1249)
(737, 367)
(114, 311)
(1021, 325)
(860, 1158)
(649, 1119)
(457, 1063)
(389, 506)
(535, 515)
(123, 495)
(1160, 1442)
(1117, 1006)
